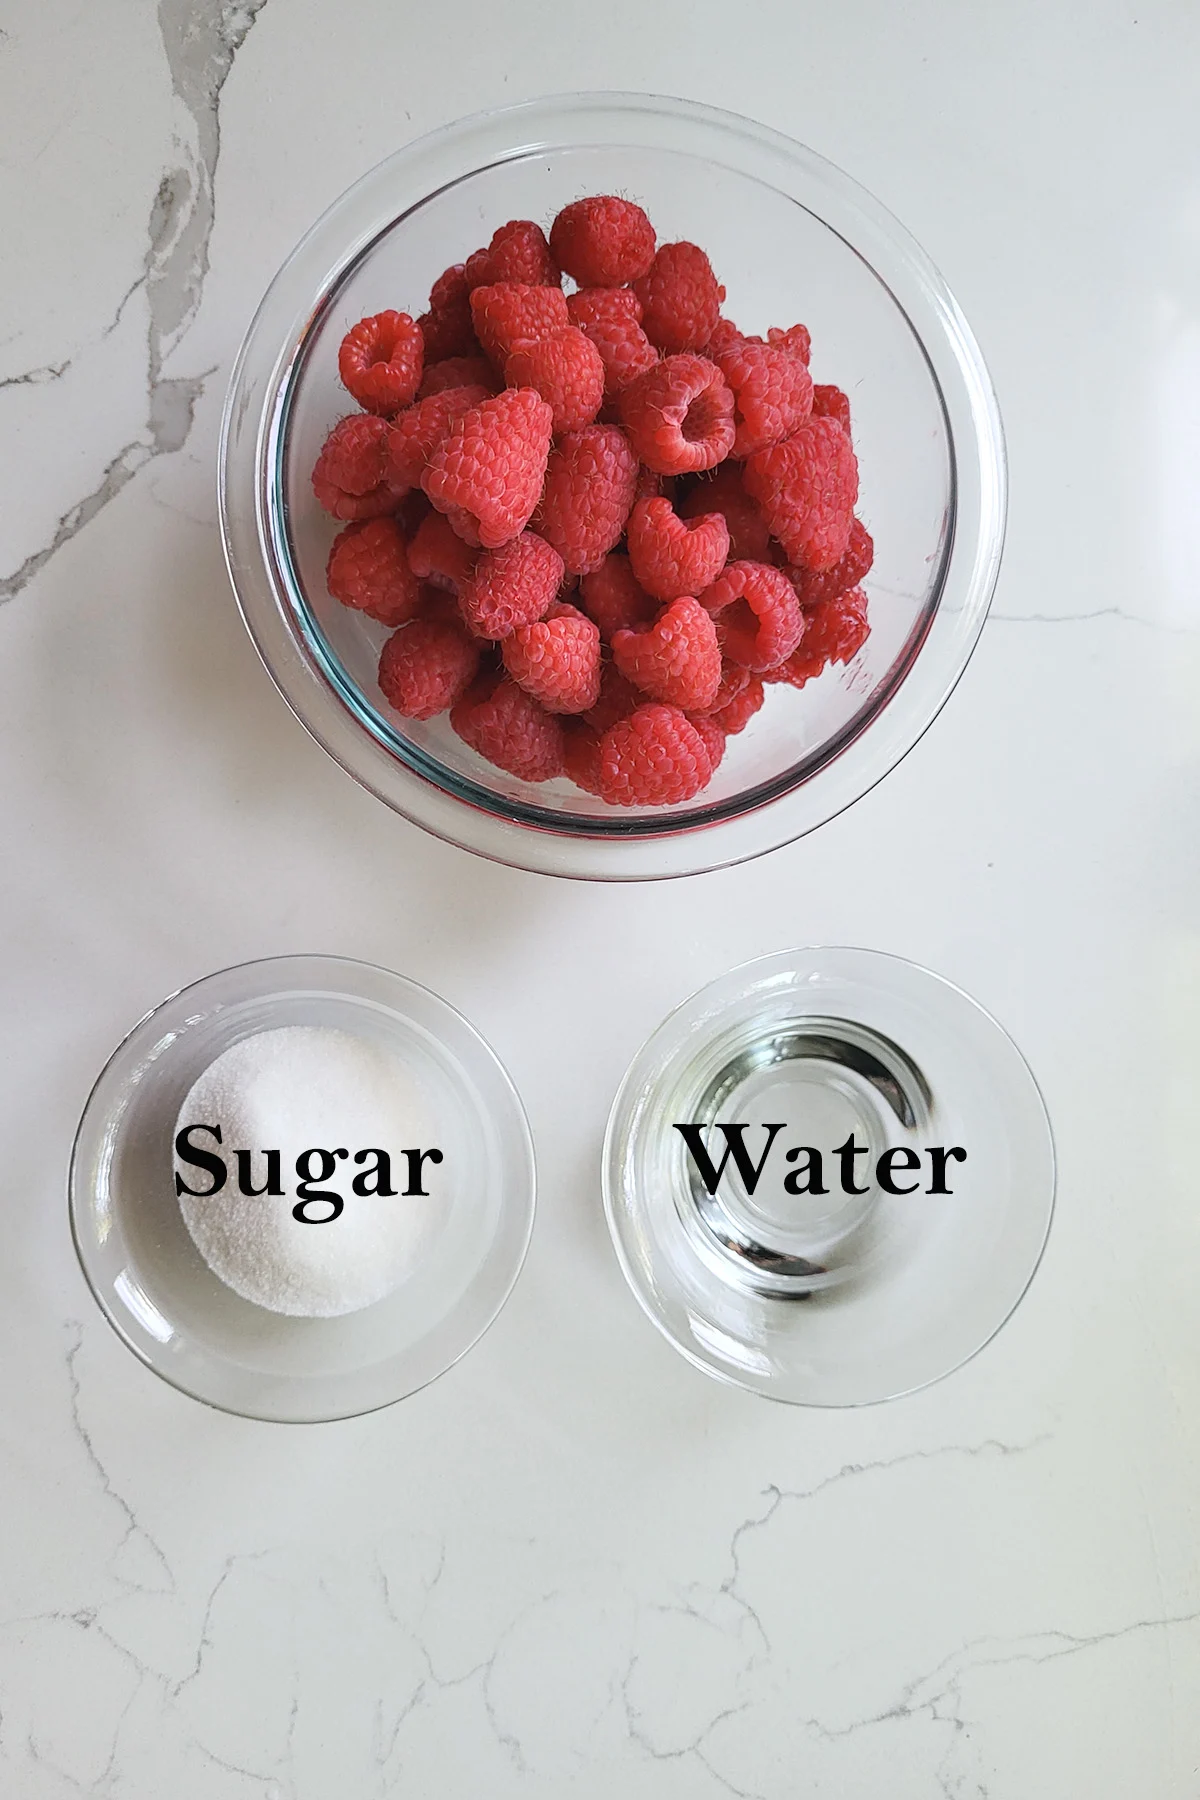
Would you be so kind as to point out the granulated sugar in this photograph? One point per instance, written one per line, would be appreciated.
(293, 1090)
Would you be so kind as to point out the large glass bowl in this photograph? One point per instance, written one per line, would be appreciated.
(792, 238)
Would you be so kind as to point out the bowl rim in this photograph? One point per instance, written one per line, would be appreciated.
(659, 843)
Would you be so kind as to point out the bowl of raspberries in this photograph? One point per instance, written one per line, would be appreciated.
(612, 486)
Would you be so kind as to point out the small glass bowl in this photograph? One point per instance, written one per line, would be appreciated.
(792, 238)
(855, 1293)
(158, 1293)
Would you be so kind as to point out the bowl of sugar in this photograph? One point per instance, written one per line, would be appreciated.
(302, 1188)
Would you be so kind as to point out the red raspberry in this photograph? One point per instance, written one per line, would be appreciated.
(772, 393)
(611, 596)
(368, 569)
(507, 313)
(759, 614)
(618, 698)
(487, 474)
(349, 477)
(447, 328)
(511, 586)
(603, 241)
(681, 300)
(611, 318)
(557, 660)
(830, 403)
(519, 252)
(677, 659)
(425, 666)
(712, 735)
(736, 713)
(589, 487)
(415, 434)
(566, 369)
(506, 725)
(844, 575)
(723, 492)
(679, 415)
(671, 557)
(656, 757)
(380, 361)
(438, 555)
(581, 756)
(726, 336)
(836, 631)
(795, 339)
(457, 371)
(477, 270)
(807, 487)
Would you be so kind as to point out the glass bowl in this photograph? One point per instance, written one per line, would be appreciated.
(161, 1297)
(792, 238)
(856, 1277)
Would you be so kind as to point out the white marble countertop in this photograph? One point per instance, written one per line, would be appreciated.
(574, 1566)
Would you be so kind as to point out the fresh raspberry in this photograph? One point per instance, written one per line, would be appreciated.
(681, 299)
(830, 403)
(425, 666)
(487, 474)
(835, 631)
(679, 415)
(477, 270)
(736, 712)
(438, 555)
(447, 328)
(457, 371)
(807, 487)
(611, 596)
(349, 477)
(380, 361)
(772, 394)
(519, 252)
(844, 575)
(723, 492)
(511, 586)
(712, 735)
(505, 314)
(677, 659)
(612, 319)
(603, 241)
(506, 725)
(726, 336)
(795, 339)
(581, 756)
(368, 569)
(656, 757)
(557, 660)
(415, 434)
(758, 612)
(566, 369)
(588, 493)
(670, 556)
(618, 698)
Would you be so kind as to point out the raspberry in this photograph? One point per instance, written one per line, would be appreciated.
(612, 319)
(677, 659)
(795, 339)
(438, 555)
(772, 394)
(588, 493)
(740, 708)
(566, 369)
(511, 586)
(844, 575)
(487, 474)
(415, 434)
(505, 314)
(603, 241)
(835, 632)
(425, 666)
(758, 612)
(557, 660)
(380, 361)
(611, 596)
(830, 403)
(681, 301)
(477, 270)
(519, 252)
(671, 557)
(368, 569)
(349, 477)
(723, 492)
(506, 725)
(457, 371)
(679, 415)
(807, 487)
(581, 756)
(712, 735)
(447, 328)
(654, 758)
(726, 336)
(618, 698)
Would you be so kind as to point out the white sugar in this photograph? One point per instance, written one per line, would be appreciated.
(293, 1090)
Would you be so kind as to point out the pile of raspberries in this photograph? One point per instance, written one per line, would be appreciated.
(597, 521)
